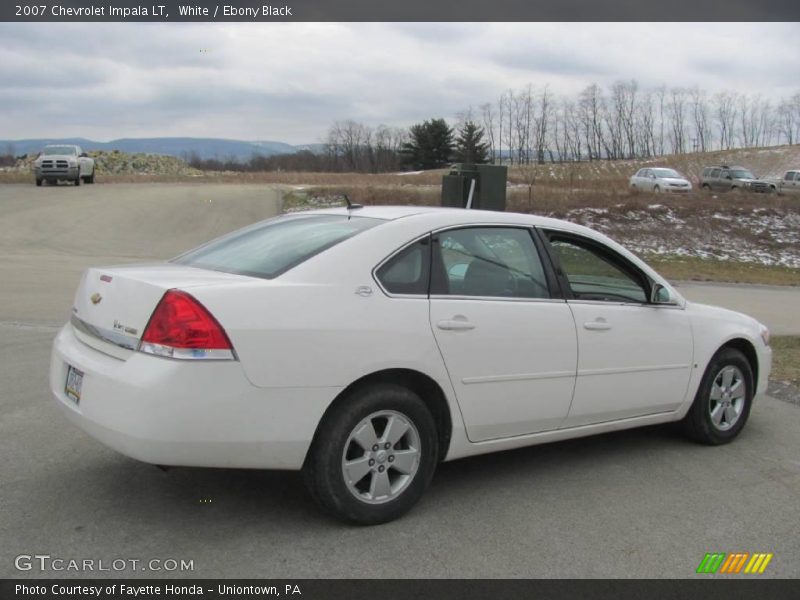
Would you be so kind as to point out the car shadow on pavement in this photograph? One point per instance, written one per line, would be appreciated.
(278, 499)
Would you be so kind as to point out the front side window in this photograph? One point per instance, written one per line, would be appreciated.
(488, 262)
(273, 247)
(407, 271)
(595, 274)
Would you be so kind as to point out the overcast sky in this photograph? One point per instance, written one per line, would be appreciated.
(290, 81)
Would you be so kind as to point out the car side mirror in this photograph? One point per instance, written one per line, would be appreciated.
(660, 295)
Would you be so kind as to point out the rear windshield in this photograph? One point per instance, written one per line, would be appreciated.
(273, 247)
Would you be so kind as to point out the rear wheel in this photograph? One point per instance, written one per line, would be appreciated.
(373, 456)
(722, 404)
(706, 187)
(38, 182)
(78, 180)
(90, 178)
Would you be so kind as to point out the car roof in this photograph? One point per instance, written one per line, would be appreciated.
(450, 216)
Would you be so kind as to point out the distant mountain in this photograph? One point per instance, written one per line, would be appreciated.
(181, 147)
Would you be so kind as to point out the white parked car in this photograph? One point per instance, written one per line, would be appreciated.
(363, 346)
(658, 180)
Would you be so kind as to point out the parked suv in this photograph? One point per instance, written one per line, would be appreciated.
(724, 178)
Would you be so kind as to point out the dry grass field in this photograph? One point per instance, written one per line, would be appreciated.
(714, 237)
(786, 359)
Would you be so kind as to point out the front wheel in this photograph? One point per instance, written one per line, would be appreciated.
(78, 180)
(656, 190)
(373, 456)
(38, 182)
(722, 404)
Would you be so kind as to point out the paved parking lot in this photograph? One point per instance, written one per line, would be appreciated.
(642, 503)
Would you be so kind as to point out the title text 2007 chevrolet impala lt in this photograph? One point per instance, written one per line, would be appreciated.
(365, 345)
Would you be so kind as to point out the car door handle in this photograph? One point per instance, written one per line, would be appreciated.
(455, 324)
(597, 325)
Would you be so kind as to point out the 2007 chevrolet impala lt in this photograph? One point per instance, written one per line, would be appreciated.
(364, 345)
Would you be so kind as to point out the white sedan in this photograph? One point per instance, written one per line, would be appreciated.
(658, 180)
(363, 346)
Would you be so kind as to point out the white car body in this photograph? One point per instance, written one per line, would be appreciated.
(660, 180)
(511, 372)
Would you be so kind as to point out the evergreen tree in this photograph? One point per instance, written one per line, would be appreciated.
(470, 147)
(430, 145)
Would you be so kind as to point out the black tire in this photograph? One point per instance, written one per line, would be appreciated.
(323, 471)
(706, 187)
(78, 180)
(38, 182)
(90, 178)
(656, 190)
(698, 424)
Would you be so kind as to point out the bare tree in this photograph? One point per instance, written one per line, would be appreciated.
(541, 121)
(786, 121)
(591, 107)
(677, 111)
(725, 114)
(702, 131)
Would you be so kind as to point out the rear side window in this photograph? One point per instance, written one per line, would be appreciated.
(715, 173)
(272, 247)
(407, 271)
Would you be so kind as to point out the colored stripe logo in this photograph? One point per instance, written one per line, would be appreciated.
(734, 563)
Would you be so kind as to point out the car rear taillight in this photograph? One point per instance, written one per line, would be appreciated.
(181, 327)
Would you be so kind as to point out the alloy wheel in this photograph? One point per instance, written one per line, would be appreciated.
(381, 457)
(727, 397)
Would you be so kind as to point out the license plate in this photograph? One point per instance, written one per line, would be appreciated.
(74, 384)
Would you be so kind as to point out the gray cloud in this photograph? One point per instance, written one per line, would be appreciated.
(290, 81)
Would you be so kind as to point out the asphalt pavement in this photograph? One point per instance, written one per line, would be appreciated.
(641, 503)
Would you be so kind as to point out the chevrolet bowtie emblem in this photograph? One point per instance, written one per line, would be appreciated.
(95, 298)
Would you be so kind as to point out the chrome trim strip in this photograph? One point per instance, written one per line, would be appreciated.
(520, 377)
(107, 335)
(620, 303)
(162, 351)
(498, 298)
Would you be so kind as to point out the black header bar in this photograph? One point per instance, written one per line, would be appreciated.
(398, 10)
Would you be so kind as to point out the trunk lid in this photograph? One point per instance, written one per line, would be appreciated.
(114, 304)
